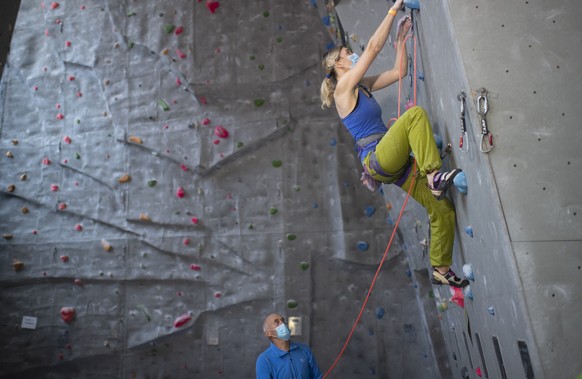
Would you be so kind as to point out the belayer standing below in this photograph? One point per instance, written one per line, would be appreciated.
(385, 154)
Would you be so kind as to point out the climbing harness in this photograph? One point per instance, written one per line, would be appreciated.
(463, 143)
(482, 107)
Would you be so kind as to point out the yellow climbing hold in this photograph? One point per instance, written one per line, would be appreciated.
(135, 139)
(124, 178)
(144, 217)
(17, 265)
(106, 245)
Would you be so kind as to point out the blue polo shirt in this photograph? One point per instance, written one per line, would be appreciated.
(298, 363)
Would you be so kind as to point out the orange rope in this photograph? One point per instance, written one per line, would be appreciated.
(395, 226)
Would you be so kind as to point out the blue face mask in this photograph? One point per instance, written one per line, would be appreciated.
(283, 332)
(354, 58)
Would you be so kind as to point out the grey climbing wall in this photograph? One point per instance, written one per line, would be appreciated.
(169, 179)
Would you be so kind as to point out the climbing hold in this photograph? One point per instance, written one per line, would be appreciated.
(54, 187)
(460, 182)
(380, 313)
(468, 292)
(77, 156)
(421, 76)
(68, 43)
(412, 4)
(124, 178)
(458, 297)
(266, 14)
(135, 139)
(439, 141)
(46, 161)
(277, 163)
(179, 30)
(478, 372)
(180, 192)
(11, 188)
(17, 265)
(79, 227)
(195, 220)
(409, 104)
(221, 132)
(68, 314)
(14, 142)
(362, 245)
(333, 142)
(291, 237)
(60, 116)
(182, 320)
(239, 144)
(212, 5)
(279, 39)
(24, 210)
(292, 304)
(152, 183)
(259, 102)
(180, 54)
(7, 236)
(370, 210)
(186, 241)
(491, 310)
(162, 103)
(469, 230)
(261, 67)
(144, 217)
(184, 167)
(217, 295)
(166, 51)
(273, 211)
(106, 245)
(23, 177)
(442, 306)
(468, 271)
(64, 258)
(206, 121)
(54, 5)
(9, 154)
(169, 28)
(304, 265)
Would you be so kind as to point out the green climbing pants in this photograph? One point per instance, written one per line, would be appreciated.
(412, 133)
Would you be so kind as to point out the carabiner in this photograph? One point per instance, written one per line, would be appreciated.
(463, 143)
(482, 108)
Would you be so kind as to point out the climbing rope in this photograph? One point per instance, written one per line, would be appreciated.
(412, 182)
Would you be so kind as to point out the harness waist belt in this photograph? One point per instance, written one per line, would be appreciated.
(362, 142)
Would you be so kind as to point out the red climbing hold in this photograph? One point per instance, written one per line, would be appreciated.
(183, 167)
(181, 54)
(46, 161)
(60, 116)
(216, 141)
(221, 132)
(202, 100)
(179, 30)
(62, 206)
(195, 220)
(68, 43)
(79, 94)
(178, 82)
(458, 297)
(195, 267)
(182, 320)
(212, 5)
(71, 78)
(180, 192)
(67, 139)
(206, 121)
(217, 295)
(186, 242)
(68, 314)
(54, 5)
(79, 227)
(54, 187)
(64, 258)
(78, 282)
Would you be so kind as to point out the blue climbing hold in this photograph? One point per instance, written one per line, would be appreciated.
(412, 4)
(330, 45)
(362, 245)
(421, 76)
(326, 20)
(370, 210)
(333, 142)
(439, 141)
(315, 205)
(469, 230)
(409, 273)
(468, 272)
(460, 182)
(380, 312)
(468, 293)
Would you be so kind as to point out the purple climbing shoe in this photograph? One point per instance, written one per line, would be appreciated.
(441, 182)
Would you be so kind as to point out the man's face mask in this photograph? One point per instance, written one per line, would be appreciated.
(283, 332)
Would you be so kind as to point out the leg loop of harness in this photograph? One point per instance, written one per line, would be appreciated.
(374, 176)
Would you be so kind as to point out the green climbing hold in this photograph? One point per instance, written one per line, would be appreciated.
(163, 105)
(259, 102)
(279, 39)
(152, 183)
(296, 188)
(277, 163)
(131, 44)
(291, 304)
(252, 57)
(266, 14)
(169, 28)
(291, 237)
(132, 13)
(251, 226)
(78, 121)
(261, 66)
(273, 211)
(304, 265)
(239, 144)
(77, 156)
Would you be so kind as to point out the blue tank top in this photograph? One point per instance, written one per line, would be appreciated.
(365, 119)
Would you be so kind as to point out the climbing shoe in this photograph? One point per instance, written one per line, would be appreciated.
(450, 278)
(441, 182)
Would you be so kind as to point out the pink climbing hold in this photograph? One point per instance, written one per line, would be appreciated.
(217, 295)
(54, 5)
(179, 30)
(54, 187)
(202, 100)
(182, 320)
(478, 372)
(79, 227)
(195, 267)
(458, 297)
(46, 33)
(180, 192)
(67, 139)
(212, 5)
(183, 167)
(62, 206)
(60, 116)
(178, 82)
(79, 94)
(68, 43)
(186, 242)
(68, 314)
(36, 88)
(180, 54)
(221, 132)
(195, 220)
(71, 78)
(46, 161)
(206, 121)
(216, 141)
(409, 104)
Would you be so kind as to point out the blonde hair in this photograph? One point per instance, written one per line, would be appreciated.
(329, 82)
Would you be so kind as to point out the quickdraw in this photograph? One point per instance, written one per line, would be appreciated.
(463, 143)
(486, 137)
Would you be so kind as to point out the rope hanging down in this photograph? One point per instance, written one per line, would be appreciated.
(397, 221)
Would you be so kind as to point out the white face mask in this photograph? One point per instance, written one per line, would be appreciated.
(354, 58)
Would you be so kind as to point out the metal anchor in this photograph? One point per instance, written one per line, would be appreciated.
(463, 143)
(486, 137)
